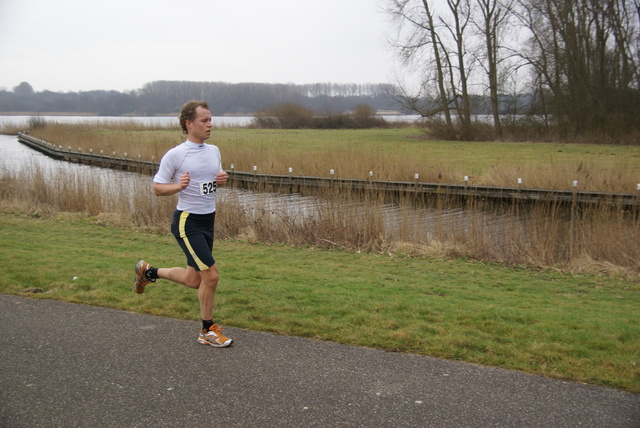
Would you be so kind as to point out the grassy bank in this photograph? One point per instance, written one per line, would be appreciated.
(579, 327)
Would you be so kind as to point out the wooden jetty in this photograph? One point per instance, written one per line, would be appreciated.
(296, 184)
(112, 161)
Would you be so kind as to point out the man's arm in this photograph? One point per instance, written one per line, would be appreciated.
(160, 189)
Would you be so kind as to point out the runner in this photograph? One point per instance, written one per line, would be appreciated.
(194, 171)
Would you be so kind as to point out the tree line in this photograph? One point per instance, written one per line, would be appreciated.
(577, 61)
(167, 97)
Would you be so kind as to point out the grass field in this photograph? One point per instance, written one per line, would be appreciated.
(580, 327)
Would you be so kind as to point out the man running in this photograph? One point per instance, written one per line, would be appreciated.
(194, 171)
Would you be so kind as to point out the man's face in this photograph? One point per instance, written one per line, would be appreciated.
(199, 129)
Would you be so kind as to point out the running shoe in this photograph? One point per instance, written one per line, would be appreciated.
(141, 277)
(214, 337)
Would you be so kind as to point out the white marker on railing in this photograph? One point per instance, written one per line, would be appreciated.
(575, 183)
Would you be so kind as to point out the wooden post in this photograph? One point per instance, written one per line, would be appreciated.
(255, 171)
(290, 180)
(572, 225)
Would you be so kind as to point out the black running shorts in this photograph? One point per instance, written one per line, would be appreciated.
(194, 233)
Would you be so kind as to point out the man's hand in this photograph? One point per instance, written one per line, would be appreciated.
(184, 180)
(222, 178)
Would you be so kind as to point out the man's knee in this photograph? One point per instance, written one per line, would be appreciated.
(210, 276)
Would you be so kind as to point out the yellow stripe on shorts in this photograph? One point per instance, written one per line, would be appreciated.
(183, 235)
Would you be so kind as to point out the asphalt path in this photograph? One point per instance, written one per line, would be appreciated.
(67, 365)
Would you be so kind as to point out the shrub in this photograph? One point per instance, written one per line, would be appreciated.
(284, 116)
(294, 116)
(36, 122)
(438, 129)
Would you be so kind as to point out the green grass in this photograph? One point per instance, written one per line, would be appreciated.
(580, 327)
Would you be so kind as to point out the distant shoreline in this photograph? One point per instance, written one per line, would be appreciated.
(48, 113)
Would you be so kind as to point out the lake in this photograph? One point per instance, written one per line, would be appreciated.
(219, 121)
(146, 120)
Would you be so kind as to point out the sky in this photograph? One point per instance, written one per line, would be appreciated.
(81, 45)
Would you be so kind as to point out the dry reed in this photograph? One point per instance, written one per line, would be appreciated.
(600, 238)
(275, 151)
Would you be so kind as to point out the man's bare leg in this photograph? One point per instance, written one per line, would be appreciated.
(205, 281)
(207, 291)
(188, 276)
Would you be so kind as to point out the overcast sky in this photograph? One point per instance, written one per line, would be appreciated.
(79, 45)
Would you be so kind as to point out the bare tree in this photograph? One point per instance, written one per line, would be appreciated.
(444, 43)
(493, 16)
(583, 58)
(585, 53)
(419, 45)
(437, 43)
(433, 36)
(457, 28)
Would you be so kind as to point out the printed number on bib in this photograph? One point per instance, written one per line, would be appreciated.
(207, 188)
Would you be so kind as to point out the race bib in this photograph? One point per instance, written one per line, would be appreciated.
(208, 187)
